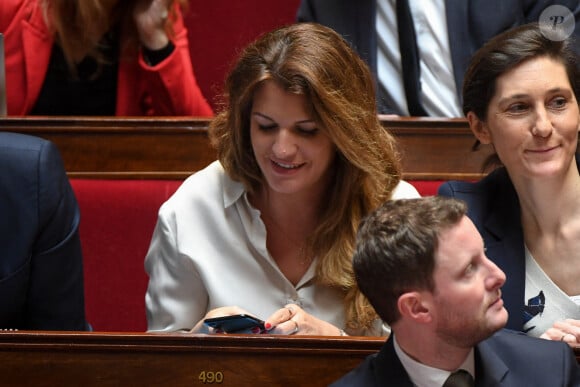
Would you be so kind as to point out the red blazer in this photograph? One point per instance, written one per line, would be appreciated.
(169, 88)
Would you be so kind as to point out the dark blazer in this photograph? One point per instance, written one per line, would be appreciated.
(494, 208)
(506, 359)
(470, 23)
(41, 271)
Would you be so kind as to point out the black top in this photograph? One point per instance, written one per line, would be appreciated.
(92, 91)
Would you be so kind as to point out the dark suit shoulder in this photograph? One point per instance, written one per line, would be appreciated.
(534, 359)
(495, 179)
(33, 167)
(508, 336)
(481, 196)
(510, 342)
(362, 375)
(25, 158)
(16, 141)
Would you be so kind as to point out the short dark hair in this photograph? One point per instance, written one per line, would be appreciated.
(395, 249)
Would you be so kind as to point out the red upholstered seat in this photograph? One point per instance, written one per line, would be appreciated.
(427, 187)
(117, 221)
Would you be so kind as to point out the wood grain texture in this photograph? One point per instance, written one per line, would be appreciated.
(141, 359)
(146, 359)
(175, 147)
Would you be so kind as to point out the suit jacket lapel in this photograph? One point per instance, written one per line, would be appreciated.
(503, 227)
(388, 370)
(365, 32)
(490, 370)
(503, 234)
(457, 27)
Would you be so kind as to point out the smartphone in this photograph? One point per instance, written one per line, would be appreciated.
(235, 323)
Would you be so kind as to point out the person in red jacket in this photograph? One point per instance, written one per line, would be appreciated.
(98, 57)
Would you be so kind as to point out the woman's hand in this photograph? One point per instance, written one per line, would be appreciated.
(293, 320)
(200, 327)
(150, 18)
(567, 330)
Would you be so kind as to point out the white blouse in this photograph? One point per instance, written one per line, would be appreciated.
(209, 250)
(545, 302)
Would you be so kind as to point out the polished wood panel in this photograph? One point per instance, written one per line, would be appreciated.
(175, 147)
(111, 147)
(438, 149)
(120, 359)
(145, 359)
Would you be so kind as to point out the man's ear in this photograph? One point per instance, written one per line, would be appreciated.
(479, 128)
(415, 306)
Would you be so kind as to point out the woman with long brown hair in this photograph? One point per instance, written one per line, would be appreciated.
(269, 229)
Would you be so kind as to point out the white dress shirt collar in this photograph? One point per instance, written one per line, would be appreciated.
(424, 376)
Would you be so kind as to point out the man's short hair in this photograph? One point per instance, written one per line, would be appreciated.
(395, 249)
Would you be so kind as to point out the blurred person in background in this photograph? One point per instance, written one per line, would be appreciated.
(98, 57)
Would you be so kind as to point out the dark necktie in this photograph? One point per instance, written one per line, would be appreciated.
(459, 378)
(409, 58)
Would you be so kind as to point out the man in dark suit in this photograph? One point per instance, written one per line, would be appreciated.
(41, 271)
(467, 24)
(422, 265)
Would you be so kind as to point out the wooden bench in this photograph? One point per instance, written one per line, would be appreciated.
(143, 160)
(175, 147)
(123, 169)
(121, 359)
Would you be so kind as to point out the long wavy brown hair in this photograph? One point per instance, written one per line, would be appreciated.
(314, 61)
(79, 25)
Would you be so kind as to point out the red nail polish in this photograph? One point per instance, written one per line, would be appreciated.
(267, 325)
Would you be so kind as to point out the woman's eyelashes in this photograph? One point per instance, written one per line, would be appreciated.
(310, 131)
(305, 131)
(267, 127)
(558, 103)
(518, 108)
(555, 104)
